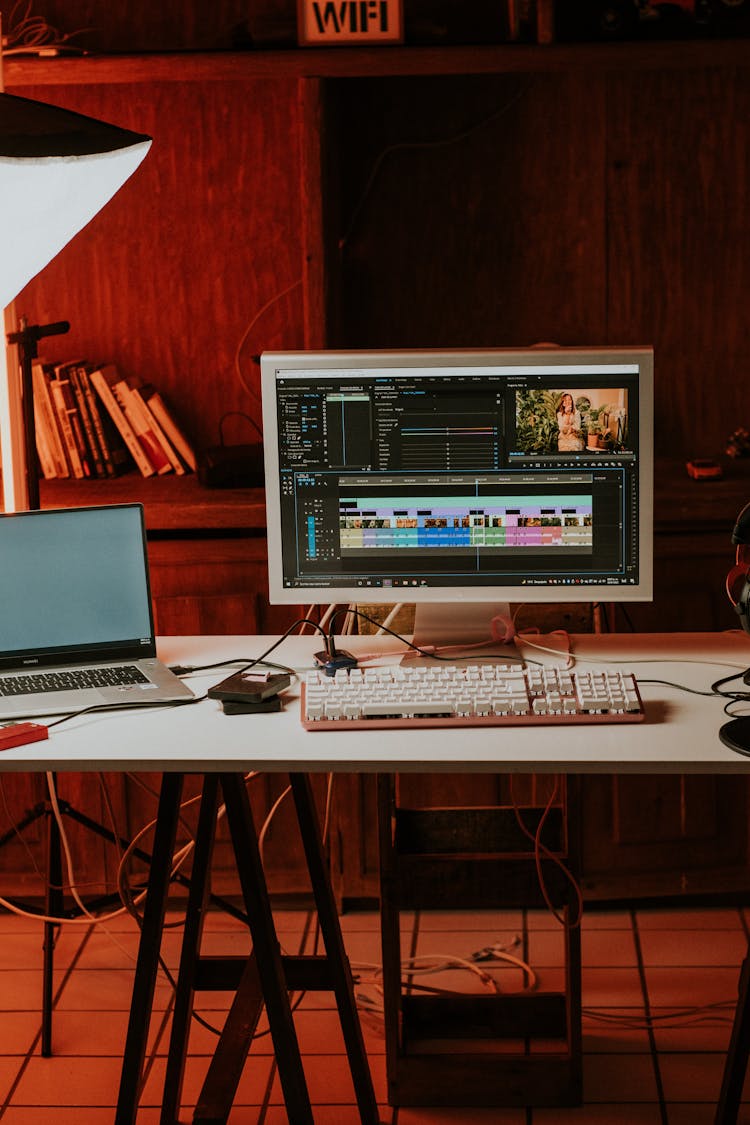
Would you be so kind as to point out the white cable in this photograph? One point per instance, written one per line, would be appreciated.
(94, 919)
(269, 818)
(389, 619)
(253, 393)
(577, 659)
(327, 615)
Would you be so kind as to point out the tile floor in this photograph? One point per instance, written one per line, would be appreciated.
(679, 965)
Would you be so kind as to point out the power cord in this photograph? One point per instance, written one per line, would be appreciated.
(541, 851)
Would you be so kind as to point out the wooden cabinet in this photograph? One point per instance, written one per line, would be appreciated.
(468, 196)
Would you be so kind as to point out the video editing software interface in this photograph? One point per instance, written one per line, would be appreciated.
(408, 478)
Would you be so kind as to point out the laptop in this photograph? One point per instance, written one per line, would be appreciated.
(76, 623)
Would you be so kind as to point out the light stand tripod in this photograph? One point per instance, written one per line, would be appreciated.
(27, 341)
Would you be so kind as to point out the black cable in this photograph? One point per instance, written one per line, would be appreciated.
(741, 695)
(391, 633)
(295, 625)
(97, 707)
(189, 669)
(680, 687)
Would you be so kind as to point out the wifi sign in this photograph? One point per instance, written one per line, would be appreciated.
(349, 22)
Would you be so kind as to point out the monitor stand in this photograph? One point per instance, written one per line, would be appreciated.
(465, 630)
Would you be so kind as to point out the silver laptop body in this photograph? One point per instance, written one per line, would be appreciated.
(75, 598)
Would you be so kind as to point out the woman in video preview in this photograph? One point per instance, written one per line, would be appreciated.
(570, 437)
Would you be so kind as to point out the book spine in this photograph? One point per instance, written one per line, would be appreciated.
(48, 418)
(66, 429)
(96, 422)
(44, 453)
(87, 423)
(159, 410)
(143, 431)
(174, 460)
(75, 425)
(102, 386)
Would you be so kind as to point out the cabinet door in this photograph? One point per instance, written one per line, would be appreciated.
(213, 586)
(646, 836)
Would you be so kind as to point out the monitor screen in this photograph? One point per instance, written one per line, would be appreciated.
(434, 476)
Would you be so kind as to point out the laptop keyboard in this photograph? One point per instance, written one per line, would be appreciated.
(36, 682)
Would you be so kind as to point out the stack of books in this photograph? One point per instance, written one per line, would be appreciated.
(92, 422)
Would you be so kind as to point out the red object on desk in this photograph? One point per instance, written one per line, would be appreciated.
(15, 734)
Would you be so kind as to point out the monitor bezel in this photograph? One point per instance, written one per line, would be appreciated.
(272, 363)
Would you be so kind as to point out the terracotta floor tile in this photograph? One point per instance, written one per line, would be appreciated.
(9, 1069)
(323, 1114)
(608, 948)
(354, 921)
(690, 918)
(602, 1114)
(23, 950)
(21, 990)
(619, 1078)
(615, 987)
(101, 950)
(467, 1116)
(594, 919)
(64, 1115)
(62, 1081)
(692, 1077)
(500, 922)
(700, 1114)
(320, 1033)
(676, 987)
(546, 949)
(543, 920)
(18, 1031)
(693, 947)
(250, 1092)
(712, 1035)
(363, 947)
(329, 1081)
(110, 989)
(615, 1031)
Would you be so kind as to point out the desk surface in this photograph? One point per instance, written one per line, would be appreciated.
(679, 734)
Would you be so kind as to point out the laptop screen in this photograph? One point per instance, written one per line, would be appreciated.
(74, 585)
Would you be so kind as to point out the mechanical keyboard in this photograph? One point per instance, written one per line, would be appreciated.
(472, 695)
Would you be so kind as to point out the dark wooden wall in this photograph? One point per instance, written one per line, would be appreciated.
(576, 208)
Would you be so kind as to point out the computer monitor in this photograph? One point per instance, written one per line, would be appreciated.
(462, 480)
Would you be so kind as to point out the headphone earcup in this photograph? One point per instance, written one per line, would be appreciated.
(742, 607)
(741, 532)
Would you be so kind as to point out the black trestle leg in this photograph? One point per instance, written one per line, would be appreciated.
(266, 950)
(735, 1066)
(148, 951)
(338, 963)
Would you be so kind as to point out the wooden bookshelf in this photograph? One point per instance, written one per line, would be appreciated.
(375, 62)
(171, 503)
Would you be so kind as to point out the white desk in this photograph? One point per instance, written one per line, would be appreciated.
(679, 735)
